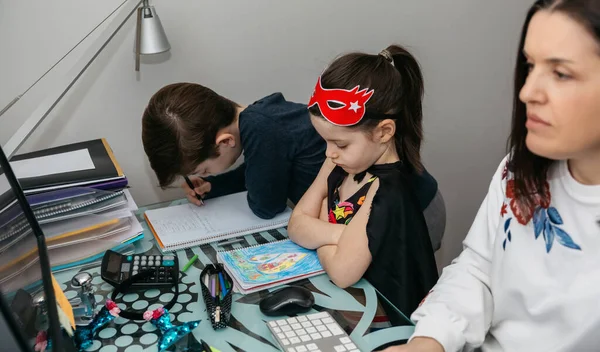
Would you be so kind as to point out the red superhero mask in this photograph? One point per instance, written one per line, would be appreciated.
(351, 103)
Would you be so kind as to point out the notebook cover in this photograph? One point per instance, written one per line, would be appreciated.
(105, 167)
(270, 263)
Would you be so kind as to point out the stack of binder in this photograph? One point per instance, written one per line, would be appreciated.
(81, 216)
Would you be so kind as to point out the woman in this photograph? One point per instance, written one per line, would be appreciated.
(528, 278)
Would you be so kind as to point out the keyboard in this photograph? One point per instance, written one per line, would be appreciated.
(316, 332)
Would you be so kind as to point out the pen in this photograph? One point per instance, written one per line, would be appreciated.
(191, 185)
(187, 266)
(223, 287)
(226, 242)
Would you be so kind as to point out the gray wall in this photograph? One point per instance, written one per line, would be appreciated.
(248, 49)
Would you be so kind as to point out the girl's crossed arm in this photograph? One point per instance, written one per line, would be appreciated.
(346, 262)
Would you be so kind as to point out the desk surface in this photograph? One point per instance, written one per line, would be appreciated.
(365, 315)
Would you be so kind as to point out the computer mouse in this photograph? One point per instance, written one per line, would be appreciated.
(287, 301)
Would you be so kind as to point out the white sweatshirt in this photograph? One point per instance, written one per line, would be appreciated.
(523, 283)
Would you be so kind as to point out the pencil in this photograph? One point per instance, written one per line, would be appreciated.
(191, 185)
(187, 266)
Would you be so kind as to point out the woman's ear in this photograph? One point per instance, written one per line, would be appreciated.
(386, 130)
(225, 139)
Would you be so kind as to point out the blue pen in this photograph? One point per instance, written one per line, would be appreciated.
(224, 288)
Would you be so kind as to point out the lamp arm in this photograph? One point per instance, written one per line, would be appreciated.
(44, 109)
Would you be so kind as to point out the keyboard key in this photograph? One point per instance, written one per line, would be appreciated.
(345, 340)
(285, 342)
(350, 346)
(305, 338)
(135, 267)
(306, 324)
(301, 332)
(295, 340)
(273, 323)
(311, 330)
(336, 331)
(168, 257)
(281, 336)
(315, 336)
(339, 348)
(292, 320)
(326, 334)
(312, 347)
(301, 349)
(290, 334)
(321, 328)
(296, 326)
(144, 263)
(291, 349)
(286, 328)
(354, 351)
(316, 322)
(318, 316)
(302, 318)
(144, 257)
(282, 323)
(275, 328)
(137, 257)
(328, 321)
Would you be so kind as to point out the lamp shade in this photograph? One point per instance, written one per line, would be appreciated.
(153, 39)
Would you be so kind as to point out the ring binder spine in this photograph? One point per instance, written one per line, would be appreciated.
(54, 210)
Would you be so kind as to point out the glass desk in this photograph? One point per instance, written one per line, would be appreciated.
(369, 319)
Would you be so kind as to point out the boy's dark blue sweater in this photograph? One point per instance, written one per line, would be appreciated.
(282, 156)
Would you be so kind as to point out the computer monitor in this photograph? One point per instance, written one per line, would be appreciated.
(24, 267)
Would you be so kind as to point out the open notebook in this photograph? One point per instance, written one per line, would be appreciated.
(187, 225)
(269, 265)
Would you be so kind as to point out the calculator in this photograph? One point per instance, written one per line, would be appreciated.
(117, 268)
(317, 332)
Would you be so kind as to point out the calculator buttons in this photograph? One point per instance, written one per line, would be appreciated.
(144, 263)
(168, 257)
(136, 267)
(129, 258)
(134, 273)
(168, 263)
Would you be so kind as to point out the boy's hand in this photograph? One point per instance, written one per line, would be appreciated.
(418, 344)
(201, 187)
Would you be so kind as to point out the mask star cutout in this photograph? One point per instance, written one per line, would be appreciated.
(354, 106)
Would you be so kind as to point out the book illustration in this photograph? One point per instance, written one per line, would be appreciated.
(271, 262)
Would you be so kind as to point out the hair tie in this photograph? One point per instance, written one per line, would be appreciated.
(387, 55)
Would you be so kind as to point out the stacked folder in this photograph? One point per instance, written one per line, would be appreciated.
(81, 217)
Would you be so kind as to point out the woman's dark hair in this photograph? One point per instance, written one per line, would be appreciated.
(530, 171)
(398, 90)
(179, 128)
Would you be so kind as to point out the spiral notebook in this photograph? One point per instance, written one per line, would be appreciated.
(188, 225)
(269, 265)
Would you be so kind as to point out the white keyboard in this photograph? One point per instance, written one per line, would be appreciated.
(316, 332)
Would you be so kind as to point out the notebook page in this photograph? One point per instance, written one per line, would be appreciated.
(219, 216)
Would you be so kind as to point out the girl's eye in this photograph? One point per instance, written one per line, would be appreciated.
(561, 76)
(529, 66)
(342, 146)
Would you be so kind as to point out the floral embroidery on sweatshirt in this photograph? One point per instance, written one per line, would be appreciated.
(546, 219)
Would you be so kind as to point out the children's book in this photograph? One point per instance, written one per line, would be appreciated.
(269, 265)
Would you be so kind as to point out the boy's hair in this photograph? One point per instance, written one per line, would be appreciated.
(398, 87)
(179, 128)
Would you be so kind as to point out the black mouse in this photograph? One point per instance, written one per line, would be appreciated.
(287, 301)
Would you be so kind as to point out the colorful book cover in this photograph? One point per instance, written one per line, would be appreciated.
(270, 262)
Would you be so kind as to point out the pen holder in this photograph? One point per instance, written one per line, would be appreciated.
(218, 308)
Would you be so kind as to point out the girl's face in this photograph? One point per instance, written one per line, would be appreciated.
(562, 90)
(351, 148)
